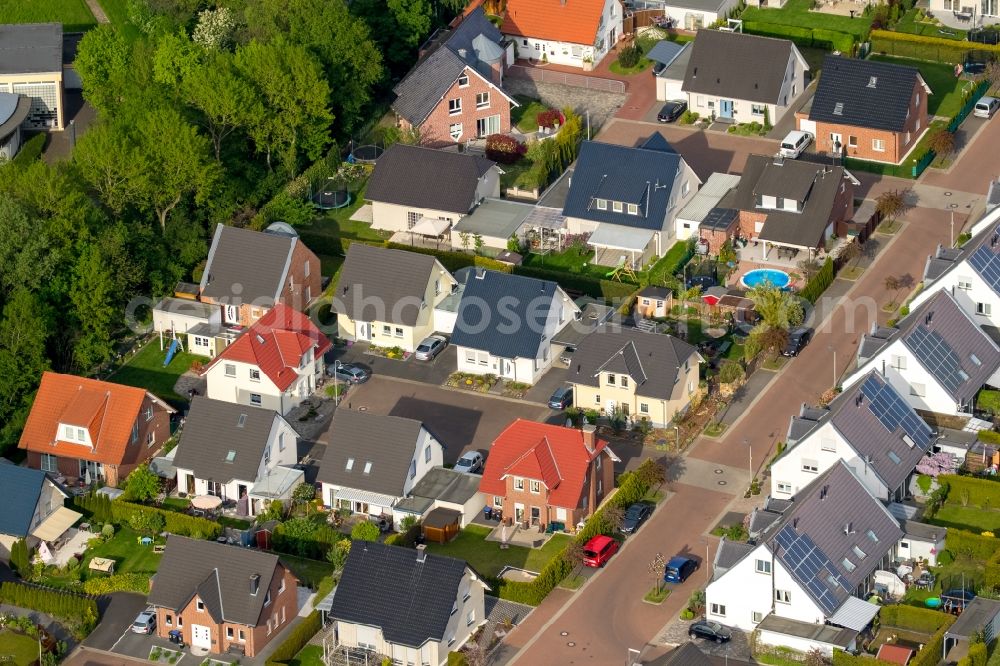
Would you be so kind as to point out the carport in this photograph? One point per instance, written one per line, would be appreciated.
(980, 615)
(610, 241)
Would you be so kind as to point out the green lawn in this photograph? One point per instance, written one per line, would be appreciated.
(912, 23)
(309, 572)
(311, 655)
(511, 172)
(796, 12)
(129, 555)
(335, 224)
(73, 14)
(570, 260)
(146, 370)
(946, 99)
(524, 116)
(972, 518)
(487, 558)
(18, 649)
(621, 70)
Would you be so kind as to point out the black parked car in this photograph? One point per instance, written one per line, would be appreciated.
(671, 111)
(635, 516)
(710, 631)
(798, 338)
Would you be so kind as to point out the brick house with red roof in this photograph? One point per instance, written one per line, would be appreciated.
(578, 33)
(539, 473)
(79, 425)
(275, 364)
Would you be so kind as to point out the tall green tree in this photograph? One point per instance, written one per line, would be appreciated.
(103, 61)
(221, 95)
(107, 158)
(26, 256)
(24, 331)
(141, 484)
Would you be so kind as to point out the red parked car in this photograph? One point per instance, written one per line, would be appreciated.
(599, 550)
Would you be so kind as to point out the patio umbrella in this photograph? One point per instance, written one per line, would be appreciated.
(86, 477)
(206, 502)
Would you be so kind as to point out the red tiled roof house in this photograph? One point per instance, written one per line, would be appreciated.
(538, 473)
(79, 425)
(275, 364)
(578, 33)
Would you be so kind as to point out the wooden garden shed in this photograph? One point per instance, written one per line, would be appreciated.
(441, 525)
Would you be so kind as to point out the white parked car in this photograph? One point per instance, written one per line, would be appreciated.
(470, 463)
(986, 107)
(145, 623)
(794, 144)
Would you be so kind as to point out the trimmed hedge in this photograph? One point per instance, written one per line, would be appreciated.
(988, 437)
(922, 47)
(930, 654)
(126, 582)
(120, 512)
(296, 640)
(914, 618)
(981, 491)
(80, 613)
(830, 40)
(991, 572)
(454, 260)
(841, 658)
(294, 195)
(609, 290)
(969, 543)
(976, 656)
(819, 282)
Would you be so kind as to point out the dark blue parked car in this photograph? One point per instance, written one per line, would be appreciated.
(678, 569)
(562, 398)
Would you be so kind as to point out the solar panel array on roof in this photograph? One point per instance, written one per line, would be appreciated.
(810, 566)
(893, 412)
(938, 357)
(987, 263)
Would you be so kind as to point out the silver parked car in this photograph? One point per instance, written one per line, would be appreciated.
(470, 463)
(430, 347)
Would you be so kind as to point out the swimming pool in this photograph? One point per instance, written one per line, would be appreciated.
(772, 276)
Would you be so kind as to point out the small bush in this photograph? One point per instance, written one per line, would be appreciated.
(504, 149)
(549, 118)
(365, 531)
(629, 56)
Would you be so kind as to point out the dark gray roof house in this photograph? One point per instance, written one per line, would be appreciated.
(879, 425)
(957, 353)
(408, 594)
(376, 282)
(427, 178)
(475, 44)
(22, 488)
(643, 177)
(224, 441)
(653, 361)
(31, 48)
(865, 93)
(369, 452)
(739, 66)
(813, 186)
(221, 576)
(507, 315)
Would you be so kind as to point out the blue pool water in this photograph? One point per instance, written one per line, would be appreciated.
(774, 277)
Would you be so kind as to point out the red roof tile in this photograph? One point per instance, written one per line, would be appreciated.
(107, 411)
(894, 654)
(276, 343)
(552, 454)
(572, 21)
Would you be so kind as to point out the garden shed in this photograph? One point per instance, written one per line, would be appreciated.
(441, 525)
(980, 615)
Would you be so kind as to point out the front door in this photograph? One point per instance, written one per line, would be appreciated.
(518, 513)
(508, 368)
(536, 515)
(725, 108)
(190, 484)
(364, 330)
(201, 636)
(836, 143)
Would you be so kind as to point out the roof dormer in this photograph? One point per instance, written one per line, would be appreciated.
(74, 434)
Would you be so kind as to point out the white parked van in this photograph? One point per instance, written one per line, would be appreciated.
(794, 144)
(986, 107)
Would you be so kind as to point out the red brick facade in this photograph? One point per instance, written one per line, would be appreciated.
(435, 131)
(859, 142)
(150, 437)
(250, 639)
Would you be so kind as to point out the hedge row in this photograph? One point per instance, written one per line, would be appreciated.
(988, 437)
(829, 40)
(930, 654)
(632, 487)
(80, 613)
(923, 47)
(923, 620)
(609, 290)
(969, 543)
(453, 260)
(991, 571)
(981, 492)
(819, 282)
(297, 639)
(975, 657)
(120, 512)
(841, 658)
(126, 582)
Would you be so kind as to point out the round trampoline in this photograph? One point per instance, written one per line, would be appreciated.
(367, 154)
(331, 198)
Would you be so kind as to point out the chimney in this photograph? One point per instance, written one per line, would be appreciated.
(589, 432)
(421, 553)
(254, 584)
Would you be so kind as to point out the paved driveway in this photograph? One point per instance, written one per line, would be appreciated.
(429, 372)
(462, 421)
(118, 611)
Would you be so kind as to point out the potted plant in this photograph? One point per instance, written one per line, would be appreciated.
(588, 63)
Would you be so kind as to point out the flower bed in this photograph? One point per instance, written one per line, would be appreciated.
(515, 389)
(395, 353)
(471, 382)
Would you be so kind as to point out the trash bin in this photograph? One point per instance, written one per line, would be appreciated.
(488, 512)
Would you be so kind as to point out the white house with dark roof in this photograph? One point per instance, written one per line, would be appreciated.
(937, 357)
(406, 605)
(425, 191)
(870, 427)
(390, 297)
(372, 462)
(31, 64)
(506, 323)
(743, 78)
(812, 566)
(626, 199)
(237, 453)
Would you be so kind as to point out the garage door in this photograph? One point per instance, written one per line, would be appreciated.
(201, 636)
(807, 126)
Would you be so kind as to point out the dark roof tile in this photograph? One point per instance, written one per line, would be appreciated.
(864, 93)
(736, 65)
(427, 178)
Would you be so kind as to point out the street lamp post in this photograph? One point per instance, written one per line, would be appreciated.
(834, 351)
(750, 451)
(336, 384)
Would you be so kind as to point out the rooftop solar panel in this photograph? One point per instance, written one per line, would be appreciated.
(938, 357)
(811, 567)
(893, 412)
(987, 263)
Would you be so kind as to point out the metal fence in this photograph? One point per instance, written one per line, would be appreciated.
(542, 75)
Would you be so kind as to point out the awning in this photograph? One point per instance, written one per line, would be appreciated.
(621, 238)
(430, 226)
(545, 217)
(855, 614)
(58, 522)
(363, 496)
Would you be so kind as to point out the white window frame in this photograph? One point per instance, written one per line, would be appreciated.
(783, 596)
(763, 567)
(878, 145)
(518, 483)
(535, 487)
(783, 487)
(463, 80)
(455, 131)
(49, 463)
(719, 610)
(455, 106)
(230, 370)
(483, 100)
(984, 309)
(810, 466)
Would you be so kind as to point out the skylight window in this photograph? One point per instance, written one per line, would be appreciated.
(231, 456)
(975, 359)
(838, 109)
(350, 464)
(872, 82)
(848, 565)
(893, 457)
(908, 440)
(860, 553)
(241, 421)
(964, 375)
(368, 467)
(872, 536)
(832, 580)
